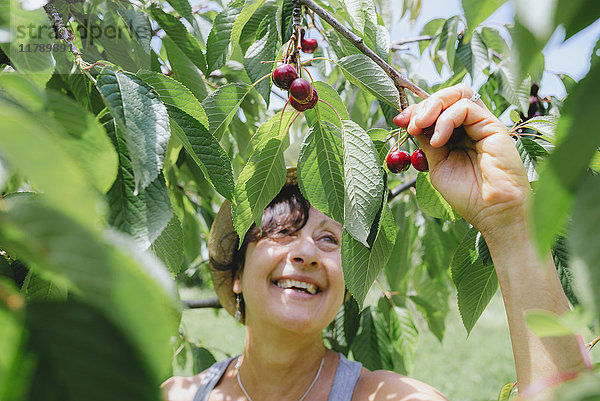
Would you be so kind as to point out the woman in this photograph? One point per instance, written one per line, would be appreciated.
(287, 285)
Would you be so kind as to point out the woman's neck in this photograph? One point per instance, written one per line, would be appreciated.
(280, 365)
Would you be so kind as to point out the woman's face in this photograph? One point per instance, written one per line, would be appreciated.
(296, 281)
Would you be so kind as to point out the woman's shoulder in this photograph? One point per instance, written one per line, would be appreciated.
(386, 385)
(179, 388)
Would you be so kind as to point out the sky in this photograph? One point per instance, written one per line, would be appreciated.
(570, 57)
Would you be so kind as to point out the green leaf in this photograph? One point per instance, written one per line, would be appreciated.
(476, 282)
(545, 125)
(143, 215)
(248, 35)
(320, 169)
(402, 333)
(219, 37)
(261, 179)
(132, 289)
(324, 113)
(363, 180)
(38, 66)
(584, 233)
(177, 32)
(143, 120)
(184, 69)
(477, 11)
(431, 201)
(516, 93)
(494, 40)
(546, 324)
(320, 163)
(406, 233)
(38, 289)
(83, 355)
(446, 47)
(480, 60)
(560, 254)
(174, 93)
(184, 8)
(263, 48)
(33, 151)
(531, 153)
(223, 104)
(341, 332)
(205, 150)
(247, 12)
(364, 73)
(87, 142)
(361, 264)
(578, 140)
(139, 26)
(505, 392)
(575, 15)
(372, 346)
(168, 247)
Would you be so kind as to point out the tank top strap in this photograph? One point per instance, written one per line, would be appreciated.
(345, 379)
(211, 378)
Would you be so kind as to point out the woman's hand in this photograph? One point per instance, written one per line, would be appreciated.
(481, 176)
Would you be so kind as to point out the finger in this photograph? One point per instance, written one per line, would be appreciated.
(402, 119)
(477, 121)
(430, 108)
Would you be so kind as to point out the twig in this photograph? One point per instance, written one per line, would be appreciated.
(401, 188)
(416, 39)
(399, 81)
(202, 303)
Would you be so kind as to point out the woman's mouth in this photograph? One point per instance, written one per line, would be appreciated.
(297, 285)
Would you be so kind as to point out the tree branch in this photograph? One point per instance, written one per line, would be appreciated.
(399, 81)
(415, 39)
(202, 303)
(400, 188)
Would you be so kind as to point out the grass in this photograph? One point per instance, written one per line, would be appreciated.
(472, 368)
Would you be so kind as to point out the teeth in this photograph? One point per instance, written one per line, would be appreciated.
(310, 288)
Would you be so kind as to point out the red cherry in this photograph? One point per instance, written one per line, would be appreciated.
(301, 90)
(398, 161)
(419, 160)
(309, 45)
(284, 75)
(305, 106)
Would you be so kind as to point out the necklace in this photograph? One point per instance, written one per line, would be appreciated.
(239, 379)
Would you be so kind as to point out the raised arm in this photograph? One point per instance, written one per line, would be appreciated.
(484, 180)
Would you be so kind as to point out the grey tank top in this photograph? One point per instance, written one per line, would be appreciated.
(344, 381)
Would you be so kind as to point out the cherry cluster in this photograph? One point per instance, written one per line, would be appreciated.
(303, 95)
(399, 160)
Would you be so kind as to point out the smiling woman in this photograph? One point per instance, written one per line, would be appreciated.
(286, 283)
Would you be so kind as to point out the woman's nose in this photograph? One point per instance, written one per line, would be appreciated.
(304, 252)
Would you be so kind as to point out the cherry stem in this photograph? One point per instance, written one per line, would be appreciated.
(257, 82)
(318, 58)
(283, 111)
(393, 133)
(308, 72)
(399, 142)
(593, 343)
(290, 124)
(413, 141)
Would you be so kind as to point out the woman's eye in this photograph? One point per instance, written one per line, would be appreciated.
(330, 238)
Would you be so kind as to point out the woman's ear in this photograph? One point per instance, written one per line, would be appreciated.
(237, 283)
